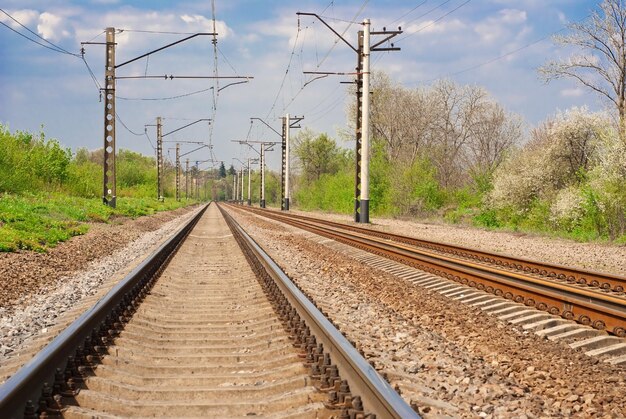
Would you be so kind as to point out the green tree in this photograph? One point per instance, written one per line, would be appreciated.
(222, 171)
(317, 155)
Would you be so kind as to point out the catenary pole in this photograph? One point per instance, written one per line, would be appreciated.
(365, 127)
(287, 130)
(249, 184)
(177, 172)
(262, 203)
(159, 159)
(109, 195)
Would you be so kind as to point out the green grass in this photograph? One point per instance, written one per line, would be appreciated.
(40, 221)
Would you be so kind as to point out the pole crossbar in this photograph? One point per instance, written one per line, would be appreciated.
(164, 47)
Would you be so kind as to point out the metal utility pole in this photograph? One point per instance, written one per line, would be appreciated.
(241, 195)
(109, 194)
(249, 184)
(262, 194)
(159, 159)
(265, 146)
(364, 216)
(177, 172)
(287, 125)
(359, 132)
(197, 179)
(363, 51)
(187, 179)
(284, 169)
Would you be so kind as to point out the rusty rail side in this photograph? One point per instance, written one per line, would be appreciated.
(585, 305)
(602, 280)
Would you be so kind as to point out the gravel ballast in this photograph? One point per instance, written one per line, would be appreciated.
(39, 291)
(447, 359)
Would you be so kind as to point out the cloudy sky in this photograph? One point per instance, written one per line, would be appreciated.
(497, 44)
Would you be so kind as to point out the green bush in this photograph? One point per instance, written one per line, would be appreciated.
(328, 193)
(48, 195)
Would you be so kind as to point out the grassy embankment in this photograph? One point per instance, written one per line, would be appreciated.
(49, 194)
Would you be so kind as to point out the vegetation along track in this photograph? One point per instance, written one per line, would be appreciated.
(590, 298)
(207, 326)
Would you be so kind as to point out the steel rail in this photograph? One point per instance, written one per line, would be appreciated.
(376, 393)
(590, 278)
(25, 387)
(583, 304)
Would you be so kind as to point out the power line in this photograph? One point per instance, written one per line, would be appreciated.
(149, 140)
(227, 61)
(428, 12)
(329, 109)
(93, 76)
(127, 129)
(216, 90)
(507, 54)
(53, 47)
(165, 98)
(156, 32)
(328, 53)
(339, 20)
(37, 42)
(435, 21)
(408, 13)
(282, 83)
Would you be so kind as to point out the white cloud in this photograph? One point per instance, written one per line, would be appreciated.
(204, 24)
(496, 27)
(52, 27)
(512, 16)
(26, 17)
(573, 92)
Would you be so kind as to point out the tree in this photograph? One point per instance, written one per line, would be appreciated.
(600, 64)
(222, 171)
(496, 132)
(317, 155)
(231, 170)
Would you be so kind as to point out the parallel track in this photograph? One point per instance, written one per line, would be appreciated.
(590, 298)
(218, 332)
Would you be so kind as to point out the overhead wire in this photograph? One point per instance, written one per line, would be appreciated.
(156, 32)
(166, 98)
(328, 53)
(408, 13)
(282, 83)
(51, 46)
(507, 54)
(434, 21)
(216, 86)
(329, 109)
(91, 73)
(428, 12)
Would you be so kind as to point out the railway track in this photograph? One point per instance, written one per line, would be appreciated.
(589, 298)
(207, 326)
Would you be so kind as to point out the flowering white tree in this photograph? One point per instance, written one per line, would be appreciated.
(600, 64)
(562, 149)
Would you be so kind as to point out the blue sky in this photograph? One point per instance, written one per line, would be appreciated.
(266, 40)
